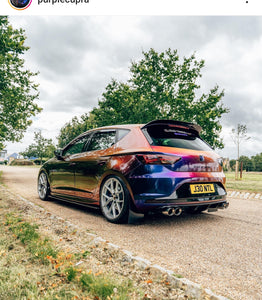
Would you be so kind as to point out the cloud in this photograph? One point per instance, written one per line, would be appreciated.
(78, 56)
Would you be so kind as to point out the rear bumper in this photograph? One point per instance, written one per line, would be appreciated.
(154, 205)
(151, 193)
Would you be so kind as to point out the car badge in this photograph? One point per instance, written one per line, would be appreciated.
(202, 158)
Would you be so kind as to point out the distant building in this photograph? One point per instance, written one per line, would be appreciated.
(3, 153)
(3, 156)
(12, 157)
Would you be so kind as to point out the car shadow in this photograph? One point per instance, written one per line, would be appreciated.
(141, 219)
(160, 219)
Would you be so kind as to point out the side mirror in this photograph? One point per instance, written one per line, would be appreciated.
(58, 154)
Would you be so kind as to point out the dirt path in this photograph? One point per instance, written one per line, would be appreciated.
(221, 251)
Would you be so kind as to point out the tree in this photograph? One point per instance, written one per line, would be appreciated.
(247, 163)
(257, 162)
(239, 135)
(232, 164)
(41, 148)
(75, 127)
(163, 87)
(17, 90)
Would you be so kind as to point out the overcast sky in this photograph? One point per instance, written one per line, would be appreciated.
(78, 56)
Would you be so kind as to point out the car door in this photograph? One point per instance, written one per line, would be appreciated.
(62, 174)
(93, 164)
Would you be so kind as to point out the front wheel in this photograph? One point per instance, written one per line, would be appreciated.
(114, 200)
(43, 186)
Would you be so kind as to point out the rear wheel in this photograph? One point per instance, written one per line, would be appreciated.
(114, 200)
(43, 186)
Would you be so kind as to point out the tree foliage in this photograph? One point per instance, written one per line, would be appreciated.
(256, 162)
(41, 147)
(17, 90)
(249, 164)
(75, 127)
(161, 86)
(253, 164)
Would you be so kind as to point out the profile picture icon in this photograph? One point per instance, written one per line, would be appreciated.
(20, 4)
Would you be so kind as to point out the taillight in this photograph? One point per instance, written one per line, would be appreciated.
(158, 159)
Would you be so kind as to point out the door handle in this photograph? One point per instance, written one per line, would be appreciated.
(72, 164)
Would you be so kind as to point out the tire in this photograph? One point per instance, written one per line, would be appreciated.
(114, 200)
(43, 187)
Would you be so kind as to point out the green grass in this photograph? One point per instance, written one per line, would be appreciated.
(32, 268)
(178, 275)
(27, 233)
(104, 287)
(251, 182)
(71, 273)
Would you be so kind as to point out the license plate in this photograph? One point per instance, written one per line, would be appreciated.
(202, 188)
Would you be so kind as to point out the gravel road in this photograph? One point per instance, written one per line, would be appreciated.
(221, 250)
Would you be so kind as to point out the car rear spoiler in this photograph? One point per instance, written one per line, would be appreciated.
(176, 124)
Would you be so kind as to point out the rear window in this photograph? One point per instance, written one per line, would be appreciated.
(174, 137)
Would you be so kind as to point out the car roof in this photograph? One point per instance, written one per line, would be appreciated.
(124, 126)
(194, 127)
(191, 126)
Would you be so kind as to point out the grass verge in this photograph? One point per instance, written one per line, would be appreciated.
(70, 264)
(251, 182)
(31, 267)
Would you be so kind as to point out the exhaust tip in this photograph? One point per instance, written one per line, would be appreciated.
(177, 211)
(168, 212)
(172, 211)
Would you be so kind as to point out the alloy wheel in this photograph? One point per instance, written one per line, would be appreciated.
(113, 200)
(43, 186)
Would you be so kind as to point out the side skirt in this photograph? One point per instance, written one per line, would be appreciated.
(85, 202)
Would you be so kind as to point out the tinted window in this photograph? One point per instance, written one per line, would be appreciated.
(172, 137)
(102, 140)
(122, 133)
(76, 147)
